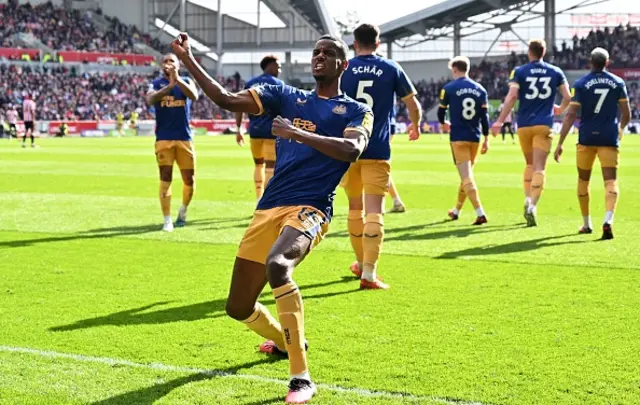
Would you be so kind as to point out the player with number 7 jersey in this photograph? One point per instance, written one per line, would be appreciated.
(535, 85)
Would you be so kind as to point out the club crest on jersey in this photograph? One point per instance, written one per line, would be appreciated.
(339, 109)
(301, 101)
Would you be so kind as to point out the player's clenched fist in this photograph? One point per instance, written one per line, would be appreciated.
(180, 46)
(282, 128)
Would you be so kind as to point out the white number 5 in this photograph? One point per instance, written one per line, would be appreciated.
(362, 95)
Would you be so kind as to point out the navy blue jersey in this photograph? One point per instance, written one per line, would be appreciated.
(303, 175)
(260, 126)
(538, 83)
(467, 102)
(376, 81)
(598, 95)
(173, 112)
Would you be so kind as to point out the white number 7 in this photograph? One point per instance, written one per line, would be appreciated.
(603, 94)
(362, 85)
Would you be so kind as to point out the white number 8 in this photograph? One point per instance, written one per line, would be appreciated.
(468, 108)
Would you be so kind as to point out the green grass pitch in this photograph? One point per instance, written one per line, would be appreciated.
(97, 306)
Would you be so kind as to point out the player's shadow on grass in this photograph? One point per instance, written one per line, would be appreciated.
(513, 247)
(454, 232)
(188, 313)
(149, 395)
(112, 232)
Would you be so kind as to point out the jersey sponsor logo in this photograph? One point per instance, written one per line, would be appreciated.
(442, 92)
(304, 125)
(171, 102)
(339, 109)
(512, 75)
(367, 122)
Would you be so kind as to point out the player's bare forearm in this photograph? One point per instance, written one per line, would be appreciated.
(239, 116)
(625, 110)
(415, 111)
(567, 123)
(566, 97)
(189, 89)
(347, 149)
(155, 96)
(234, 102)
(509, 102)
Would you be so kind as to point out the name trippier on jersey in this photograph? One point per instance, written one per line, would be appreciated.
(467, 90)
(372, 69)
(601, 80)
(538, 71)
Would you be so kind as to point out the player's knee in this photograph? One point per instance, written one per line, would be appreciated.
(238, 311)
(278, 270)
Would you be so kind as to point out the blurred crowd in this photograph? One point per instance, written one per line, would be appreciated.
(66, 29)
(61, 92)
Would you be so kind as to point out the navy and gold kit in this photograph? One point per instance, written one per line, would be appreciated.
(538, 83)
(261, 139)
(598, 94)
(467, 103)
(173, 133)
(302, 190)
(375, 81)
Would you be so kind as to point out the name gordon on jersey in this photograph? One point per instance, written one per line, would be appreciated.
(171, 102)
(369, 69)
(601, 80)
(467, 90)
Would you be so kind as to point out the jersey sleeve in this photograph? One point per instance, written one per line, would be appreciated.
(269, 98)
(514, 78)
(444, 98)
(361, 120)
(623, 96)
(403, 88)
(576, 95)
(153, 86)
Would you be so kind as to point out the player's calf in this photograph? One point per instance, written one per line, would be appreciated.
(583, 198)
(612, 191)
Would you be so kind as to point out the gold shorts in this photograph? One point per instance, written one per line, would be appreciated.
(263, 148)
(463, 151)
(537, 136)
(266, 226)
(181, 152)
(586, 156)
(369, 175)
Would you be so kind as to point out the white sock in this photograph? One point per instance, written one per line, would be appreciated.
(455, 211)
(167, 219)
(397, 201)
(302, 376)
(183, 211)
(527, 201)
(587, 222)
(368, 273)
(608, 218)
(531, 209)
(479, 211)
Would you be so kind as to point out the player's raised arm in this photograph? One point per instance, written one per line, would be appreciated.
(155, 95)
(188, 87)
(243, 101)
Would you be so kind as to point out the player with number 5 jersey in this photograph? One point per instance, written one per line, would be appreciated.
(375, 81)
(467, 102)
(535, 85)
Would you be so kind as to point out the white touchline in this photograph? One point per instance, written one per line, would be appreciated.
(218, 373)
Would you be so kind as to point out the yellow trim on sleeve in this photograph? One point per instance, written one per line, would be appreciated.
(362, 130)
(256, 98)
(443, 106)
(623, 100)
(408, 96)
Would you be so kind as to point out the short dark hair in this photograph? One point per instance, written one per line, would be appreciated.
(367, 35)
(538, 47)
(343, 49)
(267, 60)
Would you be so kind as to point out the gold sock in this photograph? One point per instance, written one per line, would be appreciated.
(187, 194)
(528, 174)
(268, 174)
(537, 185)
(373, 234)
(462, 196)
(258, 179)
(165, 198)
(355, 227)
(583, 197)
(291, 314)
(612, 191)
(265, 325)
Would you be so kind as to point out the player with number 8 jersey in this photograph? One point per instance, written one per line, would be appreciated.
(375, 81)
(467, 101)
(535, 85)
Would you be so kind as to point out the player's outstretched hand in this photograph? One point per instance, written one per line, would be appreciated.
(496, 127)
(485, 146)
(558, 153)
(181, 47)
(414, 133)
(173, 75)
(282, 128)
